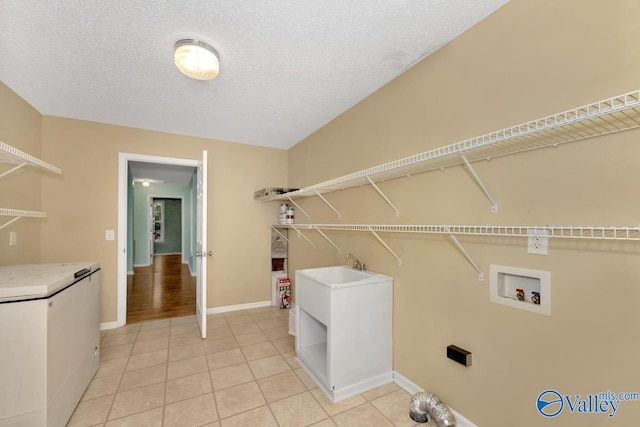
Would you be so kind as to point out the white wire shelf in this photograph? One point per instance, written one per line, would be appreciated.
(560, 232)
(12, 155)
(17, 214)
(616, 114)
(552, 231)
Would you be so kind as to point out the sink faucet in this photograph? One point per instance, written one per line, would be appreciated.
(357, 265)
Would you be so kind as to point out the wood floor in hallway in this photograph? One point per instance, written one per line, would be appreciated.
(163, 290)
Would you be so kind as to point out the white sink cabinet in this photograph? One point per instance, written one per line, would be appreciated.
(344, 337)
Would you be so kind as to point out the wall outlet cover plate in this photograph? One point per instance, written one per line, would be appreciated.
(537, 241)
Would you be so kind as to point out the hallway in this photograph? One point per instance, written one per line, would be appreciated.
(163, 290)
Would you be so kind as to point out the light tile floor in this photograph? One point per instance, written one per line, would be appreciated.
(161, 373)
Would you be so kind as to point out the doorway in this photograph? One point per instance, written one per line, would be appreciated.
(161, 278)
(165, 218)
(165, 288)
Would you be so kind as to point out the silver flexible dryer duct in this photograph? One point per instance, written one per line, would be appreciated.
(425, 405)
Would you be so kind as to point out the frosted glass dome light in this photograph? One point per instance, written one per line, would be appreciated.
(197, 59)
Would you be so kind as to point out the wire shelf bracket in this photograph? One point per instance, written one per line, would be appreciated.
(17, 214)
(494, 206)
(328, 204)
(461, 248)
(10, 171)
(385, 245)
(386, 199)
(298, 207)
(327, 238)
(273, 227)
(302, 235)
(9, 154)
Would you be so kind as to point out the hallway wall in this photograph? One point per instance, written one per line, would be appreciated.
(83, 204)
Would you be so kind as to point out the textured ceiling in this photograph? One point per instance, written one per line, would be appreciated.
(287, 67)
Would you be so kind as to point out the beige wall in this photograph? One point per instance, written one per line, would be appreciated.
(82, 204)
(20, 127)
(529, 59)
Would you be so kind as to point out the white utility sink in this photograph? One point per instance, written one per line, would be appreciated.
(344, 338)
(341, 275)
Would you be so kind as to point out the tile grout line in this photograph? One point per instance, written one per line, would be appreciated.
(281, 350)
(166, 380)
(135, 341)
(122, 375)
(267, 403)
(213, 391)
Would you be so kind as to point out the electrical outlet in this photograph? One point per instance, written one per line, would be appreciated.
(13, 237)
(538, 241)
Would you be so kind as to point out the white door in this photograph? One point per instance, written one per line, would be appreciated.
(152, 224)
(202, 253)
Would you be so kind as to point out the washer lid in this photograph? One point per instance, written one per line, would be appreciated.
(28, 281)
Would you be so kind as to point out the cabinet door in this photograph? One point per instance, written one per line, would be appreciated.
(360, 335)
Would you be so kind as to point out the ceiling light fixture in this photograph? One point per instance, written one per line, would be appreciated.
(147, 181)
(197, 59)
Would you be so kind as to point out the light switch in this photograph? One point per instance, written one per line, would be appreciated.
(109, 235)
(13, 238)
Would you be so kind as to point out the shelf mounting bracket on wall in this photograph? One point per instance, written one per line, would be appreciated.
(17, 214)
(455, 240)
(13, 170)
(386, 199)
(328, 204)
(279, 233)
(9, 154)
(315, 227)
(385, 244)
(11, 221)
(494, 206)
(298, 206)
(302, 235)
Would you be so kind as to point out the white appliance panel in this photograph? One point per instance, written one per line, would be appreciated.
(49, 345)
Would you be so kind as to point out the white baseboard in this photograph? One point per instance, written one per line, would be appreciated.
(228, 308)
(215, 310)
(412, 388)
(109, 325)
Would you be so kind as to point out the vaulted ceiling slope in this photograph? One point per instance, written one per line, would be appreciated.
(287, 67)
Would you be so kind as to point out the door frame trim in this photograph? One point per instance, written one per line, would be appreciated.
(123, 169)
